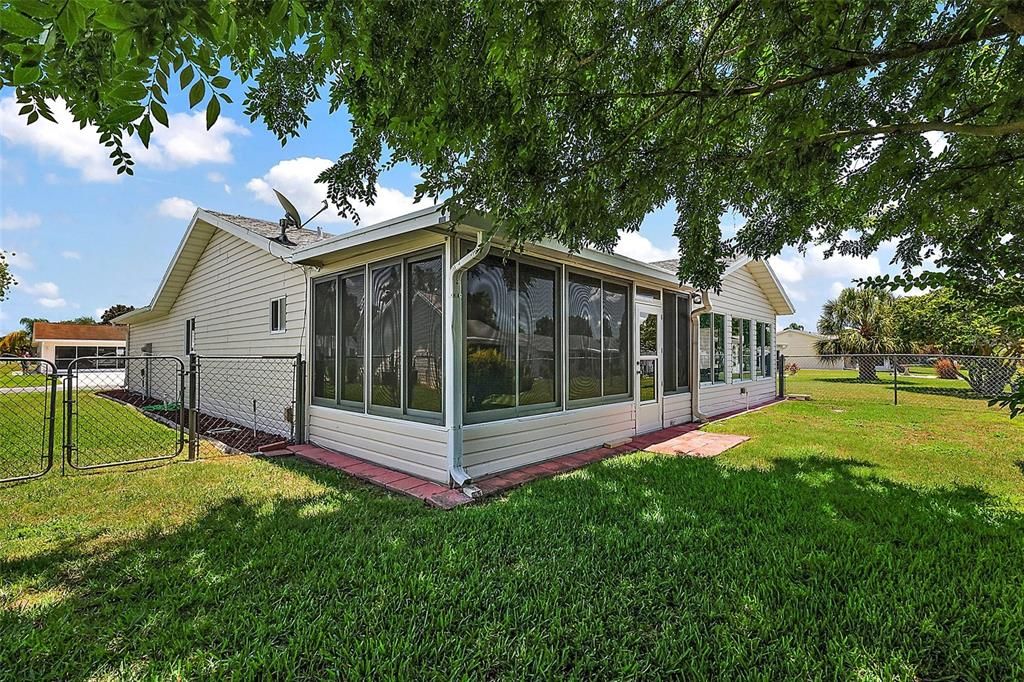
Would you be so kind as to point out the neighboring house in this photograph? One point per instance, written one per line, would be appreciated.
(436, 353)
(798, 346)
(96, 348)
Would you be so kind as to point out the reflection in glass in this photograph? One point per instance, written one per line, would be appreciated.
(426, 329)
(385, 336)
(584, 308)
(648, 380)
(537, 347)
(353, 298)
(325, 332)
(490, 335)
(616, 339)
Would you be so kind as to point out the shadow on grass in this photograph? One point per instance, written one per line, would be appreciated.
(636, 566)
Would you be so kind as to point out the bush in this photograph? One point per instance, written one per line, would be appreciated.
(947, 369)
(791, 368)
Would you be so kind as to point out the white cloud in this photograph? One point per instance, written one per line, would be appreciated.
(47, 293)
(295, 178)
(836, 289)
(186, 143)
(71, 255)
(99, 313)
(792, 267)
(176, 207)
(48, 289)
(227, 189)
(635, 245)
(215, 177)
(19, 260)
(13, 220)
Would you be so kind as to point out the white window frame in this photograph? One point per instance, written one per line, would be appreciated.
(751, 325)
(282, 303)
(190, 336)
(725, 356)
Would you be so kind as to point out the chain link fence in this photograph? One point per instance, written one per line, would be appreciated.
(950, 382)
(103, 411)
(28, 398)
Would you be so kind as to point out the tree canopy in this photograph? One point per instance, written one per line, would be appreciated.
(946, 321)
(113, 311)
(848, 124)
(7, 281)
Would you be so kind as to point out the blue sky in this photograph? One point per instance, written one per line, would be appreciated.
(85, 238)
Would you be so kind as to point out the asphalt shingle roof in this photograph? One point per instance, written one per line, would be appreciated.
(271, 230)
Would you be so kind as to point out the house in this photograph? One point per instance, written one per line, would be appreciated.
(797, 346)
(92, 348)
(434, 351)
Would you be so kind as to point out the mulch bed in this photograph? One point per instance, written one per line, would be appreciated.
(241, 438)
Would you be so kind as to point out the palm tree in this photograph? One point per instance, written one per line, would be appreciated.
(859, 322)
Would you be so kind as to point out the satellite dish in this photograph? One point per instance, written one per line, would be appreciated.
(292, 218)
(289, 209)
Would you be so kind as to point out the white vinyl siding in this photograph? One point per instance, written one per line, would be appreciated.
(227, 293)
(741, 297)
(401, 444)
(491, 447)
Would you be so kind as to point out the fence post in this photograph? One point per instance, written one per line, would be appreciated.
(193, 372)
(780, 367)
(68, 434)
(53, 414)
(895, 381)
(300, 399)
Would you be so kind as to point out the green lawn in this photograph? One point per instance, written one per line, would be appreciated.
(106, 431)
(13, 375)
(859, 541)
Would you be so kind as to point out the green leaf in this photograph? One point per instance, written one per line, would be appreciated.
(220, 82)
(112, 16)
(212, 112)
(125, 114)
(132, 92)
(196, 93)
(145, 129)
(159, 113)
(26, 75)
(186, 76)
(36, 8)
(16, 23)
(68, 26)
(122, 45)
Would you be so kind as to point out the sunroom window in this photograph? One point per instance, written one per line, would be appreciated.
(599, 338)
(712, 348)
(740, 349)
(512, 340)
(676, 311)
(397, 308)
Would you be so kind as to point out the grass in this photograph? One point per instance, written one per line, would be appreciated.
(105, 431)
(12, 375)
(843, 541)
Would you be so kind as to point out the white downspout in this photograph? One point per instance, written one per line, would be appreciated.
(453, 358)
(695, 314)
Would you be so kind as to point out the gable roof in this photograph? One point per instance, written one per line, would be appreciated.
(804, 332)
(60, 331)
(762, 273)
(204, 223)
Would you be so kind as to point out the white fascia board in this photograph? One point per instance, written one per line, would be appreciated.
(787, 308)
(430, 216)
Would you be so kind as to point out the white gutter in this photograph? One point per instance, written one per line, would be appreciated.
(695, 314)
(453, 358)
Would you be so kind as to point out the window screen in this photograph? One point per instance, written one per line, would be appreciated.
(426, 333)
(719, 348)
(537, 340)
(353, 336)
(682, 327)
(616, 339)
(490, 335)
(584, 308)
(277, 315)
(668, 313)
(386, 336)
(325, 337)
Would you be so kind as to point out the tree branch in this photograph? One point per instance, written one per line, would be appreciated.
(994, 130)
(996, 29)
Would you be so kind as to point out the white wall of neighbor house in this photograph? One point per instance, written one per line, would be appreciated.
(741, 297)
(229, 293)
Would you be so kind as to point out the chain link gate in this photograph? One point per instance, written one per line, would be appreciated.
(112, 410)
(28, 398)
(123, 410)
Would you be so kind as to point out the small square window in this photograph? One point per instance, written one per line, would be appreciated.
(190, 335)
(277, 315)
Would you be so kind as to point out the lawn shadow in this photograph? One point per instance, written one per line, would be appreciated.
(635, 566)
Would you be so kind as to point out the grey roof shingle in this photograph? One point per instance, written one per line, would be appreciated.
(673, 265)
(271, 230)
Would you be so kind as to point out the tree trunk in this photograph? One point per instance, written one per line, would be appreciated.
(866, 368)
